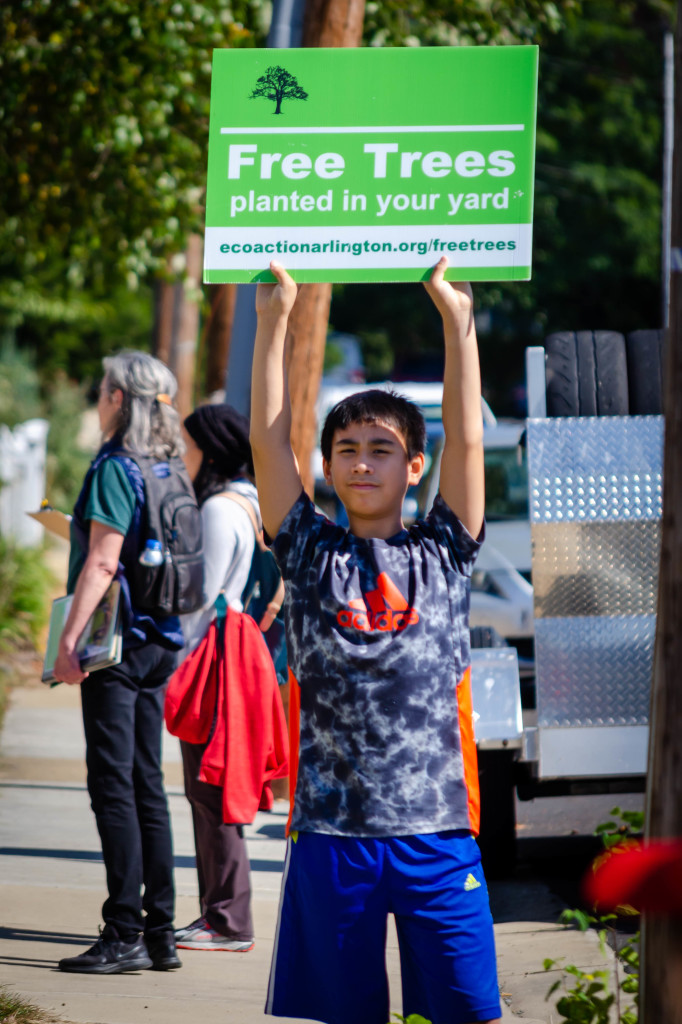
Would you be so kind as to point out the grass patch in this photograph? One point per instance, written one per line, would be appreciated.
(15, 1010)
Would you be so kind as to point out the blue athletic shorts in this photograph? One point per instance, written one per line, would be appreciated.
(329, 955)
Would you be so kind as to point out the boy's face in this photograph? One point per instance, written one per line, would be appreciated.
(370, 471)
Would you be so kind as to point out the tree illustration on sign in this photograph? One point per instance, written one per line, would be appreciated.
(277, 85)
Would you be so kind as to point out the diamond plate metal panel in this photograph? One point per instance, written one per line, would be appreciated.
(588, 469)
(594, 671)
(595, 568)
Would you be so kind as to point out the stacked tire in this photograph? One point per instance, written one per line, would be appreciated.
(604, 373)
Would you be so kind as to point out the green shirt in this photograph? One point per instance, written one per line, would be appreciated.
(111, 501)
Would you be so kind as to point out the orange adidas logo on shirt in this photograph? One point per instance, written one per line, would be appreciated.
(384, 609)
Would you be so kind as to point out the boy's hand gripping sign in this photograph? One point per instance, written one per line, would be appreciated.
(370, 164)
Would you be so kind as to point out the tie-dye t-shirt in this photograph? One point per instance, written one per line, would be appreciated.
(378, 641)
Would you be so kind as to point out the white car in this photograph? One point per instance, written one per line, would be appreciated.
(427, 395)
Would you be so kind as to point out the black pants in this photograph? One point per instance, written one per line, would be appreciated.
(222, 858)
(123, 719)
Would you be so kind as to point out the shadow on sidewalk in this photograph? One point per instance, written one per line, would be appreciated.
(30, 961)
(545, 879)
(95, 856)
(25, 851)
(37, 935)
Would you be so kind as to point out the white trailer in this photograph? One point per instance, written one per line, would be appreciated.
(595, 501)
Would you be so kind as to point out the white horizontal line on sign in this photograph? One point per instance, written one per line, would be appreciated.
(394, 129)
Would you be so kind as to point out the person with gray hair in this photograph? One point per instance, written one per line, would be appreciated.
(146, 420)
(123, 705)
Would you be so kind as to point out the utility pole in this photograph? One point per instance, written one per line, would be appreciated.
(661, 967)
(327, 23)
(295, 23)
(668, 133)
(286, 32)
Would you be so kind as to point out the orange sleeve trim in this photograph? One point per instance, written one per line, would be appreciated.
(294, 740)
(465, 711)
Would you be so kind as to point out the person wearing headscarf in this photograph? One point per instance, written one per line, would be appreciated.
(218, 461)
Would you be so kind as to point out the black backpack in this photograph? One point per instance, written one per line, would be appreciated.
(170, 515)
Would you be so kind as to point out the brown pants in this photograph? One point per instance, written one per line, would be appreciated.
(222, 859)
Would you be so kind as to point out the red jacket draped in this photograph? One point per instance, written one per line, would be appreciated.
(232, 704)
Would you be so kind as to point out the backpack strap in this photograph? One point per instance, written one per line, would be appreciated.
(247, 505)
(274, 605)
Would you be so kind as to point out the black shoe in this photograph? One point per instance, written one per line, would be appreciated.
(109, 955)
(161, 948)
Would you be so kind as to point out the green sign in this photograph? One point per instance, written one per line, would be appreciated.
(370, 164)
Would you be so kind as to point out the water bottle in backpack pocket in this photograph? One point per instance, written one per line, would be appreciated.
(172, 584)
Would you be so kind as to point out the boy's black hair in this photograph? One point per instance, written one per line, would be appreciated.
(376, 406)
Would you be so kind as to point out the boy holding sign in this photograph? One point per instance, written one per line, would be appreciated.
(386, 791)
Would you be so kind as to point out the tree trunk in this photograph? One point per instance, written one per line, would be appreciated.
(661, 968)
(327, 23)
(218, 329)
(164, 314)
(333, 22)
(304, 361)
(176, 325)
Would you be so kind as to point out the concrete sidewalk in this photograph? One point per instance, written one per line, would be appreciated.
(52, 887)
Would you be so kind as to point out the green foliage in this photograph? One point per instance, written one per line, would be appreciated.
(24, 590)
(629, 825)
(74, 333)
(62, 404)
(597, 235)
(462, 22)
(105, 120)
(19, 386)
(332, 356)
(587, 996)
(414, 1018)
(66, 463)
(377, 354)
(599, 169)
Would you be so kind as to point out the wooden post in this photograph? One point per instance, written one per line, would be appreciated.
(304, 361)
(185, 347)
(217, 332)
(333, 22)
(661, 967)
(327, 23)
(176, 327)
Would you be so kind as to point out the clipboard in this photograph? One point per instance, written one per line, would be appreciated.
(53, 520)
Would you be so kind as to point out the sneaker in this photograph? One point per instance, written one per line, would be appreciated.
(161, 948)
(205, 937)
(109, 955)
(181, 933)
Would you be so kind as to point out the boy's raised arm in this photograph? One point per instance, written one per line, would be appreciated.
(277, 477)
(462, 481)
